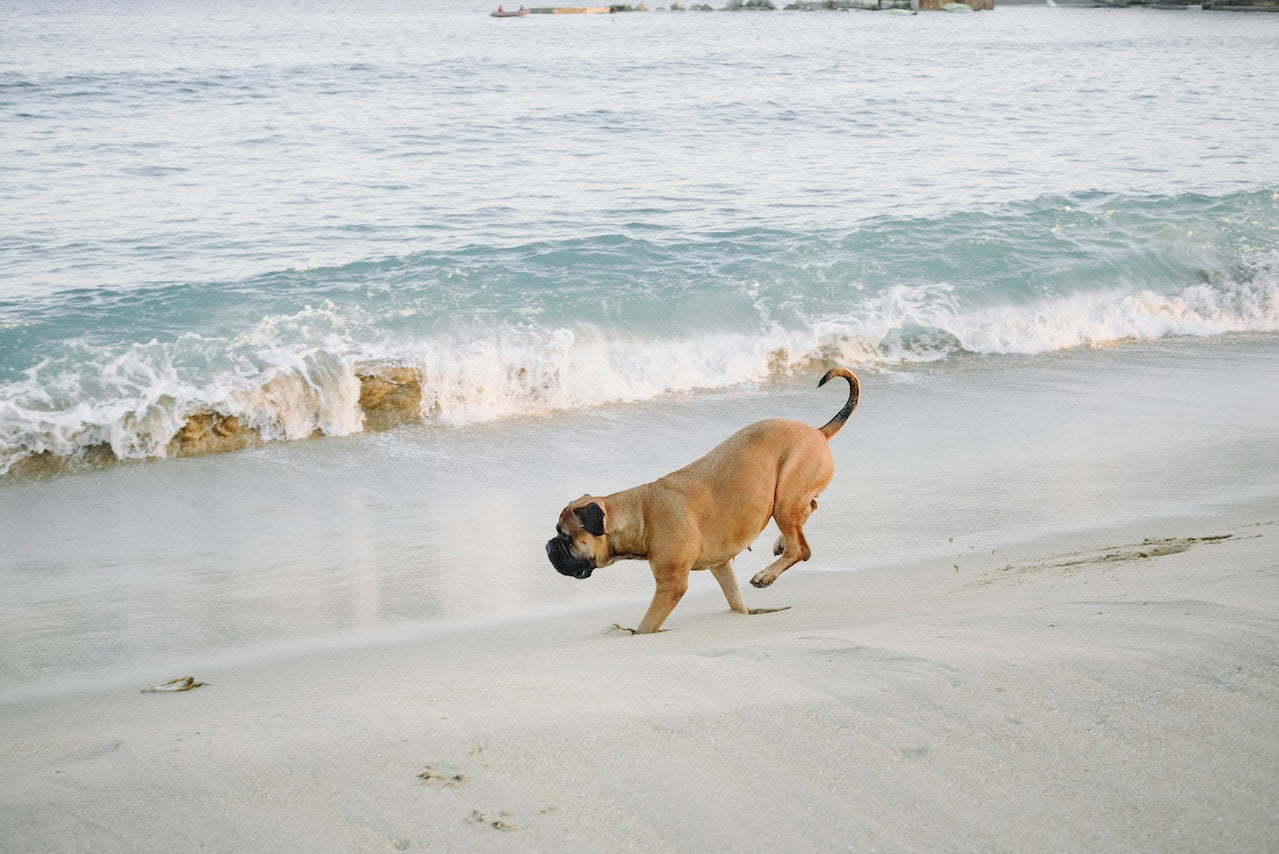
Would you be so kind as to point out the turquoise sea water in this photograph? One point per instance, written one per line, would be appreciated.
(558, 223)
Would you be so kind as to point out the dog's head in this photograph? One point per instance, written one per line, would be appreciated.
(580, 545)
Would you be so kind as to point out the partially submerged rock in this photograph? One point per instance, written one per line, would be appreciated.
(390, 395)
(212, 433)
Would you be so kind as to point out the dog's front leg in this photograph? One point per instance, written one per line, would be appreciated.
(672, 582)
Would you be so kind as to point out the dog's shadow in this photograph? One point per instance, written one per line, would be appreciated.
(618, 627)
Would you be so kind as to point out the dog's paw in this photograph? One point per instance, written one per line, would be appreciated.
(778, 548)
(761, 580)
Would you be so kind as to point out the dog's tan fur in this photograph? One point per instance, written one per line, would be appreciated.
(705, 514)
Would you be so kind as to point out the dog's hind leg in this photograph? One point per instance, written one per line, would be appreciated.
(780, 545)
(792, 546)
(728, 583)
(790, 556)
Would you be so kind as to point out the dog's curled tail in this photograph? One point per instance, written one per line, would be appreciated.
(854, 390)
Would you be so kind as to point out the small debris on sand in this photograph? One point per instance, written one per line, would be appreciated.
(182, 683)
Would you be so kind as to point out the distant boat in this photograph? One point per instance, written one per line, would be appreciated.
(503, 13)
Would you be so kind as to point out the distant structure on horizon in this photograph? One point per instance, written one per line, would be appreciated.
(898, 6)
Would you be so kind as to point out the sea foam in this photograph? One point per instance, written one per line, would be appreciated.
(298, 376)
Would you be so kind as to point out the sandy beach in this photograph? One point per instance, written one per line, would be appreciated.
(1101, 692)
(315, 316)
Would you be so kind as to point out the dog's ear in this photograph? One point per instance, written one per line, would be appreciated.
(592, 518)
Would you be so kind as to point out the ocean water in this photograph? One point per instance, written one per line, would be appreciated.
(595, 245)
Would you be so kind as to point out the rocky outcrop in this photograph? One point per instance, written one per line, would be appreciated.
(211, 433)
(390, 395)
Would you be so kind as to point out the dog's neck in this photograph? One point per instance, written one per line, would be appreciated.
(625, 529)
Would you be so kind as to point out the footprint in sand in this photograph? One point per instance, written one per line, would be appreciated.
(447, 779)
(498, 822)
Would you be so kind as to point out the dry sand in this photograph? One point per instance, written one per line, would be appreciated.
(1093, 692)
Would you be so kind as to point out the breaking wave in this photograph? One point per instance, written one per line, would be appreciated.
(487, 333)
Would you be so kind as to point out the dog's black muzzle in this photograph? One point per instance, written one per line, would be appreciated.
(565, 562)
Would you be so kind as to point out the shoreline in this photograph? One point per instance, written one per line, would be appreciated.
(325, 545)
(1107, 689)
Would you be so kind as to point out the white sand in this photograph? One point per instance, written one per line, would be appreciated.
(1073, 696)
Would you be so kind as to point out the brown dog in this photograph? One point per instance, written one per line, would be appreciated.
(703, 515)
